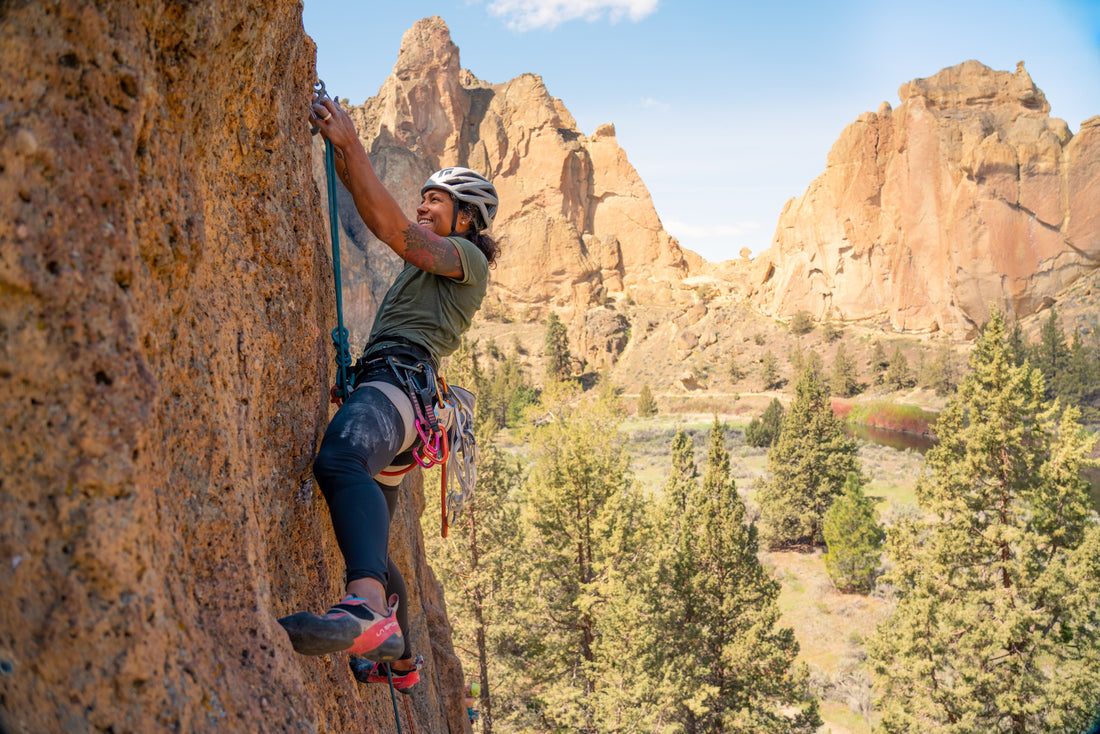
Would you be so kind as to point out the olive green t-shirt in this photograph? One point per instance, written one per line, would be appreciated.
(432, 310)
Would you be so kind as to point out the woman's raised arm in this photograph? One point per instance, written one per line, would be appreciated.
(415, 243)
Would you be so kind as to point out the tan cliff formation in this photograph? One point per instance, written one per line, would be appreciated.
(576, 222)
(967, 195)
(165, 307)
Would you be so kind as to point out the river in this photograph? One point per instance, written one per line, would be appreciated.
(919, 442)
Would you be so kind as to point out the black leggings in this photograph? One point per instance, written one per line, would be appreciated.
(362, 439)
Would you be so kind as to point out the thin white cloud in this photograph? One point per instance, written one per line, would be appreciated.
(654, 104)
(525, 15)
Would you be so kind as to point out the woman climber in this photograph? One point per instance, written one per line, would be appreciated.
(420, 320)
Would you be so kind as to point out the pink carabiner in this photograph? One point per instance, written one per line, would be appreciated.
(425, 437)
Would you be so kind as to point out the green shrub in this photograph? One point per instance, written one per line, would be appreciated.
(801, 323)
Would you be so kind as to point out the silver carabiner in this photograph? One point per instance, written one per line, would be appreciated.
(319, 93)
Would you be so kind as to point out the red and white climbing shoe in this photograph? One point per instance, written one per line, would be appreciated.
(350, 626)
(367, 671)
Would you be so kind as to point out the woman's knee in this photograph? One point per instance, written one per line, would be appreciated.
(336, 458)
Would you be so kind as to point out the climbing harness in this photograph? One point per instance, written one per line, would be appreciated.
(342, 389)
(445, 426)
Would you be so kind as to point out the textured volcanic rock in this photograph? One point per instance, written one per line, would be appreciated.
(164, 357)
(966, 196)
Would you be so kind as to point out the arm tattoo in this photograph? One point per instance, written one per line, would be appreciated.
(345, 173)
(430, 252)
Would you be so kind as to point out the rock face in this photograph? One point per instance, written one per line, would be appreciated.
(966, 196)
(164, 360)
(576, 223)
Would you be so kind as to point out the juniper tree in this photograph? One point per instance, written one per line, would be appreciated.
(769, 372)
(830, 332)
(1050, 354)
(807, 467)
(997, 628)
(762, 431)
(556, 344)
(796, 357)
(647, 406)
(844, 381)
(731, 664)
(583, 533)
(939, 373)
(1078, 383)
(475, 564)
(736, 372)
(1017, 344)
(669, 597)
(897, 372)
(476, 567)
(854, 539)
(879, 363)
(801, 323)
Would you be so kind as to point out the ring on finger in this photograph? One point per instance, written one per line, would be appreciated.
(327, 117)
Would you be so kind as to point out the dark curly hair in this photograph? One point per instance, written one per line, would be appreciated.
(482, 241)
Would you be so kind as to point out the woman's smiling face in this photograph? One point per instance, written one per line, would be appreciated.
(436, 212)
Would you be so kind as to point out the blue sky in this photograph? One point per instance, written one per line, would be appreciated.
(727, 109)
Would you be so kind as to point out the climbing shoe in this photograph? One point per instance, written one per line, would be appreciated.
(367, 671)
(350, 626)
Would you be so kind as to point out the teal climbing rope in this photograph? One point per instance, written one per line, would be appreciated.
(393, 698)
(343, 386)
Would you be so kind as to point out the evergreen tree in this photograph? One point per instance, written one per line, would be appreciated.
(507, 393)
(879, 363)
(558, 359)
(762, 432)
(830, 332)
(647, 406)
(796, 357)
(1017, 345)
(731, 665)
(844, 381)
(897, 371)
(583, 535)
(1050, 354)
(769, 372)
(854, 539)
(997, 628)
(503, 393)
(476, 566)
(1079, 382)
(938, 373)
(807, 468)
(736, 372)
(812, 361)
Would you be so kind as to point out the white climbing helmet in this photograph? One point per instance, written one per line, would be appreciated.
(468, 186)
